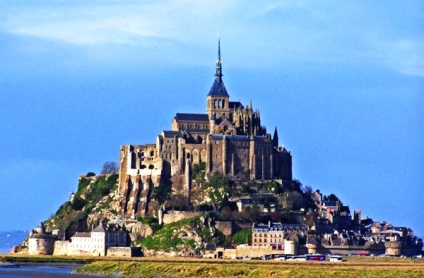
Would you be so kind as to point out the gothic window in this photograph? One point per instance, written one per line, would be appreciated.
(203, 155)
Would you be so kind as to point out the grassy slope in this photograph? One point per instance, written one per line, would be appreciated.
(90, 192)
(168, 238)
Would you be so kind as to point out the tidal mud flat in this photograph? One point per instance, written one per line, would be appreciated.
(50, 266)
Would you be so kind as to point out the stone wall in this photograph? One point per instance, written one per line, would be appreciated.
(61, 248)
(42, 245)
(174, 216)
(124, 252)
(226, 227)
(375, 249)
(249, 251)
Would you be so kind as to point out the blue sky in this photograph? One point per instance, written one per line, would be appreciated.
(342, 81)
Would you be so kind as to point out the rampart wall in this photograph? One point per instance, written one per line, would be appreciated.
(174, 216)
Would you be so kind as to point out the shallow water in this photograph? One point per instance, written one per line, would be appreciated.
(21, 270)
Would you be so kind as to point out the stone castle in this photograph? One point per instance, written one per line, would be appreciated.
(228, 139)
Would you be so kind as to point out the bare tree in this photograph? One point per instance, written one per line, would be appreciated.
(109, 167)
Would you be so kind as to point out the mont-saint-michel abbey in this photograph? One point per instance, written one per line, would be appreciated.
(215, 185)
(228, 138)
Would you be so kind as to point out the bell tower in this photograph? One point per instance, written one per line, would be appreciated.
(218, 98)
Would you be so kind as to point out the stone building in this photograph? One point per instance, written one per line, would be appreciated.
(276, 234)
(228, 138)
(41, 242)
(98, 242)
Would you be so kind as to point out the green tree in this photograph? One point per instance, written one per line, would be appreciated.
(78, 203)
(161, 193)
(217, 189)
(242, 237)
(179, 202)
(333, 198)
(198, 171)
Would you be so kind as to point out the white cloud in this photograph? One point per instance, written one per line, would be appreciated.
(269, 32)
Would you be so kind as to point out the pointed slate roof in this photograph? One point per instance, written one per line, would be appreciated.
(100, 229)
(218, 88)
(192, 117)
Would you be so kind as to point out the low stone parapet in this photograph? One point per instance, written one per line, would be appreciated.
(174, 216)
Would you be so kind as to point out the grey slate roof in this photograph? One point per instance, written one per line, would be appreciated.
(218, 89)
(171, 134)
(192, 117)
(235, 104)
(100, 228)
(206, 130)
(230, 137)
(82, 235)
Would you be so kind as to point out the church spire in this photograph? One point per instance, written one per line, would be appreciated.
(218, 88)
(218, 72)
(275, 138)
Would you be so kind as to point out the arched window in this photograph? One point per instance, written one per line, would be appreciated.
(151, 166)
(143, 167)
(152, 153)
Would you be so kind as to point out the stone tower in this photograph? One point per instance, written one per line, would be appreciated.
(218, 99)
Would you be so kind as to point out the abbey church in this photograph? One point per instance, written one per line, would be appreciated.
(228, 138)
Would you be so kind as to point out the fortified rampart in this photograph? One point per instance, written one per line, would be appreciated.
(376, 249)
(174, 216)
(61, 248)
(124, 252)
(41, 245)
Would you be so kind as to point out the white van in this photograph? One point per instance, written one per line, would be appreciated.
(335, 258)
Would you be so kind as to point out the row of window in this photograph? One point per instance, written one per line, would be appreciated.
(265, 235)
(193, 126)
(152, 153)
